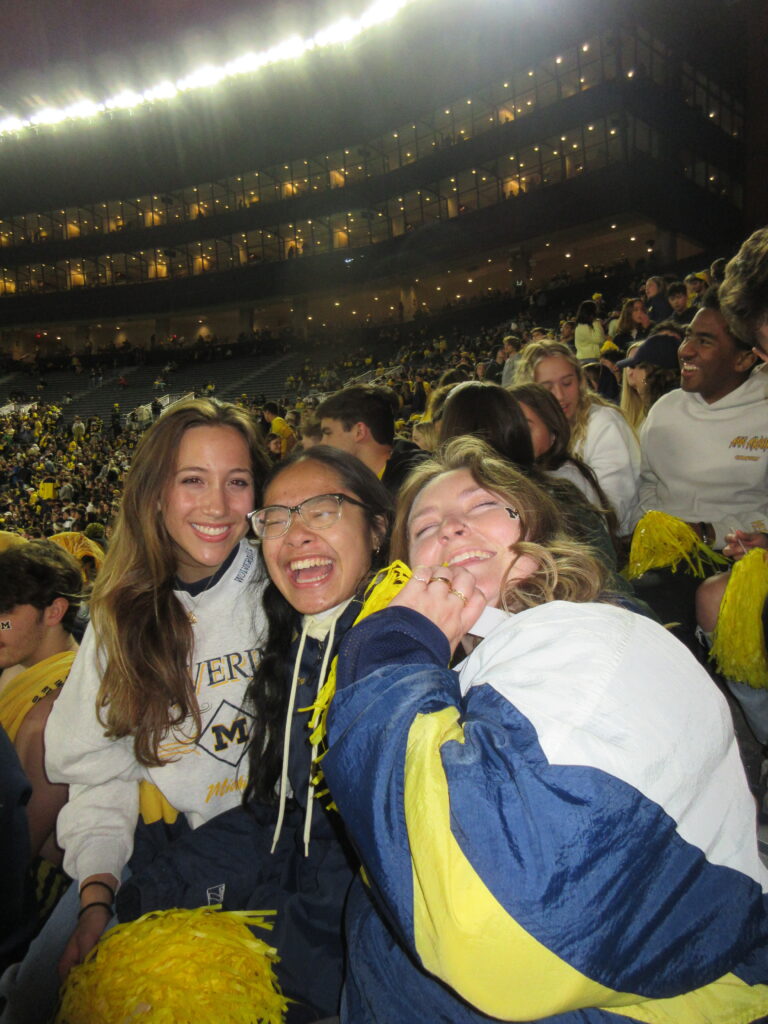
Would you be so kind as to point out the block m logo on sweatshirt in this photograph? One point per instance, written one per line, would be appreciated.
(225, 737)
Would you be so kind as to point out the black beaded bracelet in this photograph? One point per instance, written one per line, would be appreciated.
(109, 888)
(96, 903)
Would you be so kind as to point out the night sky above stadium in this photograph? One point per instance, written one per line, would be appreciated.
(51, 50)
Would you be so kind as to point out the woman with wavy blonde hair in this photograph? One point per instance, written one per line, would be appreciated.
(556, 566)
(489, 803)
(600, 435)
(154, 701)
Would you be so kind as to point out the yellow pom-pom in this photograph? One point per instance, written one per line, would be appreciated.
(661, 541)
(177, 966)
(738, 647)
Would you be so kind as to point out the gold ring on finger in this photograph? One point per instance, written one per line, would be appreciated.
(458, 593)
(443, 579)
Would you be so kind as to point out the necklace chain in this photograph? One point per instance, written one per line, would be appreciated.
(195, 601)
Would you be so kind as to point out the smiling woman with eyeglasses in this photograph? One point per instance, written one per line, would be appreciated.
(323, 530)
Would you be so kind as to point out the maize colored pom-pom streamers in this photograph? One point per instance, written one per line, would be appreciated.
(739, 643)
(176, 966)
(661, 541)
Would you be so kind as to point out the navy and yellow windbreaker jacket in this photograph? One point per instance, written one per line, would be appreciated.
(559, 831)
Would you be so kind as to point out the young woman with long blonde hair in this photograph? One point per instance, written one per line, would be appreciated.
(600, 435)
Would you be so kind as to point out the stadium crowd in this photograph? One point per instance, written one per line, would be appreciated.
(596, 478)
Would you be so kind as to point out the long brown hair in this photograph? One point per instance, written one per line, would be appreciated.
(566, 570)
(625, 323)
(144, 634)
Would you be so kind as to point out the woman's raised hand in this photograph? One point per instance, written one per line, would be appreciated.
(447, 596)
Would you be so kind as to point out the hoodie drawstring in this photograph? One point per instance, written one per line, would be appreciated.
(287, 738)
(318, 627)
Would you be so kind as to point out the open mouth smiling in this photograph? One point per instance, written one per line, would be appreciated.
(209, 530)
(307, 571)
(475, 555)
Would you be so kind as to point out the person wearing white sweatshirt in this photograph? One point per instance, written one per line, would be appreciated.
(152, 718)
(705, 454)
(705, 446)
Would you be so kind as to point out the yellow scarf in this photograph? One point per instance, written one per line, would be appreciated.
(384, 586)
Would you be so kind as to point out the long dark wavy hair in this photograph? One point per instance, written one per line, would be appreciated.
(267, 694)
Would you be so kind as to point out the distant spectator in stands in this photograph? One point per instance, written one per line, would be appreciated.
(78, 429)
(454, 376)
(66, 491)
(274, 447)
(551, 439)
(278, 425)
(677, 295)
(537, 333)
(697, 285)
(495, 368)
(361, 420)
(310, 432)
(568, 332)
(512, 345)
(600, 434)
(634, 323)
(420, 394)
(651, 369)
(589, 335)
(656, 300)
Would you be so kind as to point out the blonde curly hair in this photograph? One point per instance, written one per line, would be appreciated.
(565, 570)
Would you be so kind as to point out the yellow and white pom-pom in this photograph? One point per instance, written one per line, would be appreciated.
(661, 541)
(738, 647)
(174, 966)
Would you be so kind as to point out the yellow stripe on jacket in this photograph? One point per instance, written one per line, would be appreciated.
(466, 938)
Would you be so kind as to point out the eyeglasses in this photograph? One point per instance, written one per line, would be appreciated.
(318, 513)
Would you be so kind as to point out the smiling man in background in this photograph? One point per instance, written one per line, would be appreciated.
(705, 454)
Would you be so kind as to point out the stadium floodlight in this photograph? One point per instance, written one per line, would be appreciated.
(123, 100)
(161, 91)
(48, 115)
(11, 124)
(83, 108)
(201, 78)
(342, 31)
